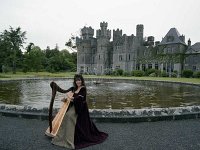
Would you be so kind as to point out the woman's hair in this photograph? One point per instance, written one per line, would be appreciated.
(78, 77)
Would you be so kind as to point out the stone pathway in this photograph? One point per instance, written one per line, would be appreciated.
(28, 134)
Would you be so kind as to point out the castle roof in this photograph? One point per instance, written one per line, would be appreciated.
(172, 37)
(194, 49)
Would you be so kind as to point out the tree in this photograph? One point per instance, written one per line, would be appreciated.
(34, 60)
(29, 47)
(13, 41)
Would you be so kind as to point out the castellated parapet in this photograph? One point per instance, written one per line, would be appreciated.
(103, 32)
(87, 32)
(139, 30)
(103, 24)
(117, 34)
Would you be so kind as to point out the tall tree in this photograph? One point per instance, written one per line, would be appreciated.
(14, 39)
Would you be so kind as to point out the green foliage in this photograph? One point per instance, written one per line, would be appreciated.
(196, 74)
(138, 73)
(153, 75)
(173, 75)
(187, 73)
(126, 73)
(5, 69)
(132, 73)
(119, 72)
(114, 73)
(164, 74)
(11, 42)
(150, 71)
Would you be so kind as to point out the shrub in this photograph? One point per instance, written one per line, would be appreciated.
(132, 73)
(174, 74)
(164, 74)
(114, 73)
(126, 73)
(196, 74)
(187, 73)
(150, 71)
(138, 73)
(5, 69)
(119, 72)
(153, 74)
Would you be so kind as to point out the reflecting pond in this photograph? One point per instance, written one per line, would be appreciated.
(109, 94)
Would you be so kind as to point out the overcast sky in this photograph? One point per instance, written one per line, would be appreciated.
(48, 22)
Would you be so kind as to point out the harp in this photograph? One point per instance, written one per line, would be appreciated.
(54, 125)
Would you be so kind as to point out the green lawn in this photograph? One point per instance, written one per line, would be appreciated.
(35, 75)
(6, 76)
(184, 80)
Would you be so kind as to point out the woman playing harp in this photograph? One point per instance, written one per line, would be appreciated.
(77, 129)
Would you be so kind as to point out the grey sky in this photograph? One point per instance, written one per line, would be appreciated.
(48, 22)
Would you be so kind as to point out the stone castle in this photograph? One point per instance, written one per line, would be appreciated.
(99, 55)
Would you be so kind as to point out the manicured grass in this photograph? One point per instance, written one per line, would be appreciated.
(184, 80)
(5, 76)
(36, 74)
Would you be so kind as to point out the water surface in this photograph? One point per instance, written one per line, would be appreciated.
(114, 94)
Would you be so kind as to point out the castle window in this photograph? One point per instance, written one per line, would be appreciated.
(194, 68)
(149, 66)
(156, 66)
(99, 57)
(117, 67)
(129, 57)
(120, 57)
(143, 67)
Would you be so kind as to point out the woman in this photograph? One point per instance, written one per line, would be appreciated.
(77, 130)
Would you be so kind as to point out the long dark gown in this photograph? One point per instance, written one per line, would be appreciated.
(85, 131)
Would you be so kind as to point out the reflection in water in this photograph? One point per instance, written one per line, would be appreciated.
(109, 95)
(10, 93)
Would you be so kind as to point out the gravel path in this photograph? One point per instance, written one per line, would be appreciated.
(28, 134)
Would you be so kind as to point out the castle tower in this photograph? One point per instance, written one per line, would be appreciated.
(87, 33)
(140, 31)
(86, 49)
(103, 32)
(117, 34)
(103, 49)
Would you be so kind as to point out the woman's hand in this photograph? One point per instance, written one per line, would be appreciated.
(64, 99)
(70, 96)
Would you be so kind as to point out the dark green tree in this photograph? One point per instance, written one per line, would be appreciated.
(12, 41)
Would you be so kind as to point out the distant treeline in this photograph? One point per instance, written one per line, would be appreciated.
(33, 59)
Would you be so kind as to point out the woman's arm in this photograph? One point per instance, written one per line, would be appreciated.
(59, 89)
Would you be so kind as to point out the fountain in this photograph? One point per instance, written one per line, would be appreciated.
(111, 99)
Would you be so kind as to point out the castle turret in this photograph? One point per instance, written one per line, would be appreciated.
(150, 40)
(103, 49)
(182, 38)
(103, 32)
(87, 33)
(117, 34)
(85, 50)
(139, 31)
